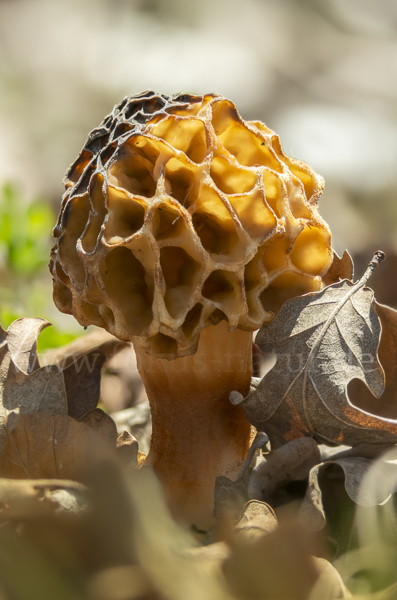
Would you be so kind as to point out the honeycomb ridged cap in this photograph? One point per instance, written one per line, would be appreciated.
(177, 214)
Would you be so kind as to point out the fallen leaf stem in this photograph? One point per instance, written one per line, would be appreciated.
(377, 258)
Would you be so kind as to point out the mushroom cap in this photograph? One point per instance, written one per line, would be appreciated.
(178, 214)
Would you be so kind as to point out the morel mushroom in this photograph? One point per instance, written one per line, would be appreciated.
(184, 229)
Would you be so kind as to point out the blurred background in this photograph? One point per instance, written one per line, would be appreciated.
(321, 74)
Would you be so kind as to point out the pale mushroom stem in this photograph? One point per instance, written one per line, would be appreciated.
(197, 433)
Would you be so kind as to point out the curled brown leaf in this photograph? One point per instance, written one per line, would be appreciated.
(291, 462)
(362, 487)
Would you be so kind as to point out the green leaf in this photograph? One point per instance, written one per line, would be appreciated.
(25, 229)
(53, 338)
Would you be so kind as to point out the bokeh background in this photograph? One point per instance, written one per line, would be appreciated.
(322, 74)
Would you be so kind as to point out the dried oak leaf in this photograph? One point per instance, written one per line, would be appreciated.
(24, 386)
(102, 424)
(44, 446)
(341, 268)
(359, 394)
(280, 564)
(21, 339)
(24, 499)
(230, 496)
(48, 387)
(48, 417)
(257, 519)
(322, 341)
(83, 382)
(366, 482)
(52, 446)
(291, 462)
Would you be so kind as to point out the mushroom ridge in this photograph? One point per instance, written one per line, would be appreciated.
(177, 215)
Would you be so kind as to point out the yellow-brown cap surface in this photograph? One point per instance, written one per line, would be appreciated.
(178, 214)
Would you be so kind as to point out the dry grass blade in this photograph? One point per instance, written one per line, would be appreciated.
(94, 340)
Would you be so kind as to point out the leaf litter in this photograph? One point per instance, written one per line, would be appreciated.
(49, 420)
(264, 555)
(324, 342)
